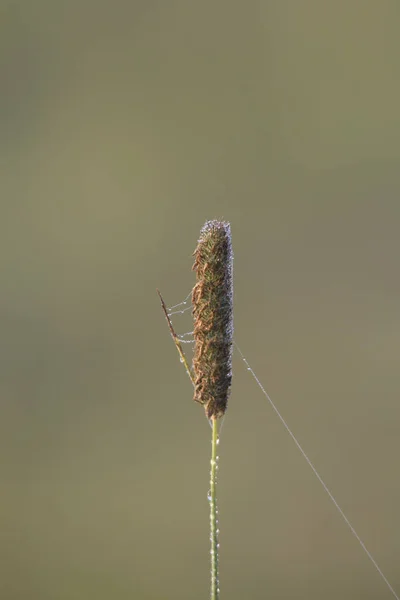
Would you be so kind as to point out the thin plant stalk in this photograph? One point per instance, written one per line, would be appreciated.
(214, 511)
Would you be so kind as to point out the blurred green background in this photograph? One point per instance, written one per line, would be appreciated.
(124, 126)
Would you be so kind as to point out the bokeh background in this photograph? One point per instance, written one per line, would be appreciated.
(124, 127)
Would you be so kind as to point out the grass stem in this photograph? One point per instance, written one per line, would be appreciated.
(214, 512)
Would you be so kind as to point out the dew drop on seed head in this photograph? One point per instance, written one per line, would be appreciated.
(209, 495)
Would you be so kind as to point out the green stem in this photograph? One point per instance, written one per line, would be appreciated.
(214, 512)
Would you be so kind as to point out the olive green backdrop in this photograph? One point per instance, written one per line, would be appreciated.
(124, 126)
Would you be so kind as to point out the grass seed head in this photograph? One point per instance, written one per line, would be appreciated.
(212, 298)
